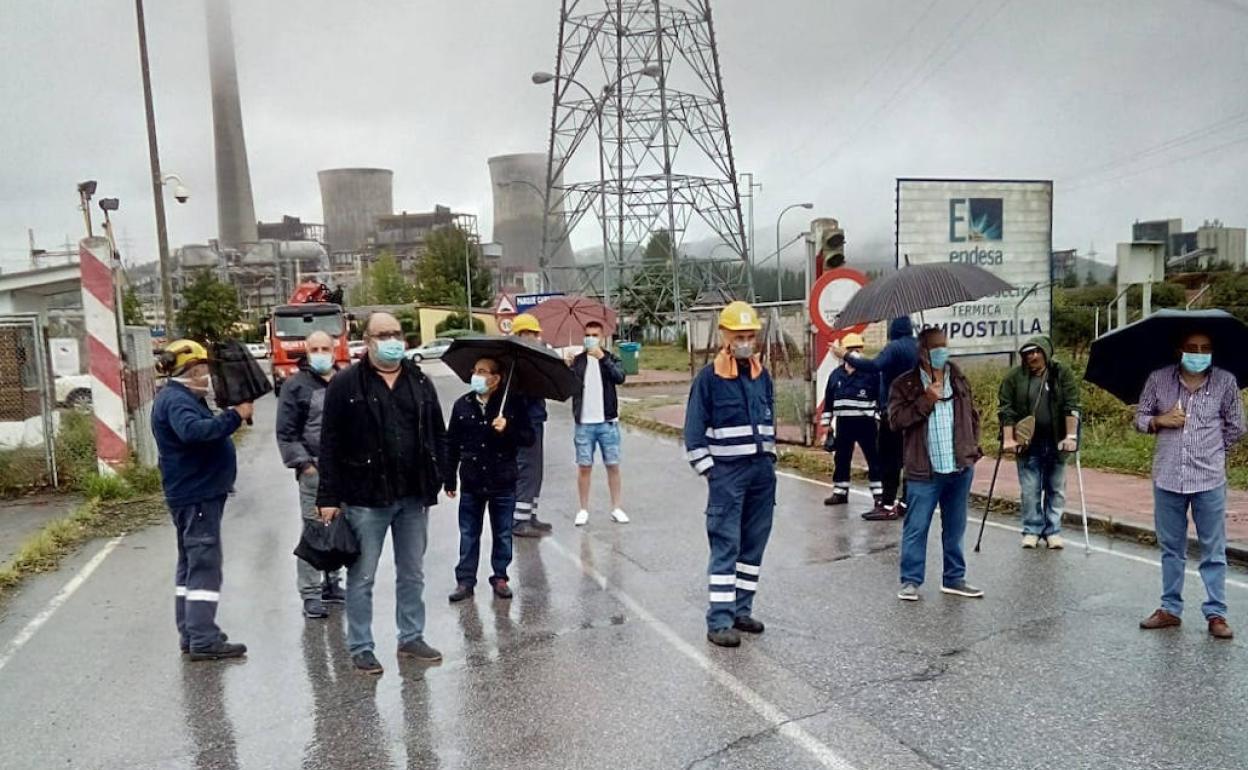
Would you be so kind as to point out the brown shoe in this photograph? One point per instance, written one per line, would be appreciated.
(1218, 628)
(1160, 619)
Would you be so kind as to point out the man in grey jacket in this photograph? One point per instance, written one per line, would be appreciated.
(299, 438)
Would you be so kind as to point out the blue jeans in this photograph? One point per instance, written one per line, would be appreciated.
(471, 522)
(1170, 520)
(950, 491)
(604, 435)
(408, 520)
(1042, 487)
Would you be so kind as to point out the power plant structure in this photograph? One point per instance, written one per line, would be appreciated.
(639, 137)
(236, 210)
(351, 201)
(521, 219)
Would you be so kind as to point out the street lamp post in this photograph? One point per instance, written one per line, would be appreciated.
(541, 78)
(779, 268)
(85, 191)
(750, 186)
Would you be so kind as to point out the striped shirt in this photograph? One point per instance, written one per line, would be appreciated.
(1192, 459)
(940, 428)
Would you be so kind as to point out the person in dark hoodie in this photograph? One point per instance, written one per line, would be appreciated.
(197, 471)
(487, 429)
(1038, 406)
(899, 356)
(299, 410)
(851, 413)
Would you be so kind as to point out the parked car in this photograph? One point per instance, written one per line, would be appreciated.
(357, 348)
(432, 349)
(73, 391)
(258, 349)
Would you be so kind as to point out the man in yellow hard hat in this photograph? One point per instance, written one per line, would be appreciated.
(530, 459)
(730, 439)
(197, 470)
(851, 414)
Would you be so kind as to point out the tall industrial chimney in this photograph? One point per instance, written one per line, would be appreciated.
(236, 211)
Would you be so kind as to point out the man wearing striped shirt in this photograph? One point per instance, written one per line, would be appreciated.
(730, 439)
(1197, 413)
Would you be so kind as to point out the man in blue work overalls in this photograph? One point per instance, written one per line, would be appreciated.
(730, 438)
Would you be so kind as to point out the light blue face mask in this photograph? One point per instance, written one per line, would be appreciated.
(591, 343)
(390, 351)
(1197, 363)
(321, 363)
(478, 384)
(939, 357)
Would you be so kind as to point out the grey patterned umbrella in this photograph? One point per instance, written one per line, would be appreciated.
(915, 288)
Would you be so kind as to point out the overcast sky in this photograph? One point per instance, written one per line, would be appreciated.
(1135, 108)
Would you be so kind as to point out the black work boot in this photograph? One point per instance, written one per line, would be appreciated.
(314, 608)
(837, 498)
(461, 592)
(186, 647)
(525, 528)
(541, 525)
(332, 593)
(724, 637)
(219, 651)
(748, 624)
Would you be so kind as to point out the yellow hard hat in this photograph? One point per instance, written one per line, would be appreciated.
(738, 317)
(180, 355)
(525, 323)
(852, 340)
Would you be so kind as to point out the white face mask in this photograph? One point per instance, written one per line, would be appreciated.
(200, 386)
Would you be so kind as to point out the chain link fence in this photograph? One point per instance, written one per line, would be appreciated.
(27, 407)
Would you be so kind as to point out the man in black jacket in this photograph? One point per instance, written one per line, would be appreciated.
(299, 411)
(482, 441)
(597, 412)
(382, 441)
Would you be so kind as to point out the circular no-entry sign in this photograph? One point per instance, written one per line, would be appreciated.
(828, 297)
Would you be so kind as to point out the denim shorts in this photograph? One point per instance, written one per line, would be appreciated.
(606, 435)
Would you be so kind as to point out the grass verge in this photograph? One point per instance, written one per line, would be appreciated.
(115, 505)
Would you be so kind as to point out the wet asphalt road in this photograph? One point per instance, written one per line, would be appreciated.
(600, 660)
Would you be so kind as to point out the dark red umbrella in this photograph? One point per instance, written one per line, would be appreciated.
(563, 319)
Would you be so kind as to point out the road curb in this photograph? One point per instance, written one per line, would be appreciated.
(1236, 553)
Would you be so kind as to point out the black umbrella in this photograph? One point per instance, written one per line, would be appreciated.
(915, 288)
(1121, 361)
(236, 377)
(533, 369)
(328, 547)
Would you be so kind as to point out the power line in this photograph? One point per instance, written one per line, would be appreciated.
(1163, 164)
(922, 70)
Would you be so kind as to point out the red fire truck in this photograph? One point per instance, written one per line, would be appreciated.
(312, 307)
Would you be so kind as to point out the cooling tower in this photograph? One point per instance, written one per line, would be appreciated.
(351, 201)
(236, 211)
(519, 182)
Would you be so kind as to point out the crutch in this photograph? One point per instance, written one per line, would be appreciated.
(1083, 503)
(991, 488)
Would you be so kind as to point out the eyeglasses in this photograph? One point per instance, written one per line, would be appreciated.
(387, 335)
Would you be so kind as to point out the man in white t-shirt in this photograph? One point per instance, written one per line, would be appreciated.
(597, 414)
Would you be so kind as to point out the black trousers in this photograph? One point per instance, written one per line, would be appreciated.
(851, 432)
(889, 443)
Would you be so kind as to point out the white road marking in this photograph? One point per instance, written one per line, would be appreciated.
(61, 597)
(1156, 563)
(771, 713)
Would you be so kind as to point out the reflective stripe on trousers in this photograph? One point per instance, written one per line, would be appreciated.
(742, 499)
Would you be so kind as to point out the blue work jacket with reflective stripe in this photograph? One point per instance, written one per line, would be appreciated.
(727, 420)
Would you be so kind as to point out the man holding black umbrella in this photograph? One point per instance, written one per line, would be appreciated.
(1197, 413)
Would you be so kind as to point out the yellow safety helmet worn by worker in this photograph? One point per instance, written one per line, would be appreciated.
(525, 323)
(853, 341)
(180, 355)
(738, 317)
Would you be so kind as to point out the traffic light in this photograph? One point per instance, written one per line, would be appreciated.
(829, 240)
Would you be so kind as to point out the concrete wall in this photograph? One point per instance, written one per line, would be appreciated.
(351, 201)
(519, 209)
(1228, 242)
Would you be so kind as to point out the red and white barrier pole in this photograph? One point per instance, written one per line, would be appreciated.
(103, 352)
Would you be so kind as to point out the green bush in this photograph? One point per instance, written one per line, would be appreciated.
(141, 480)
(75, 448)
(110, 487)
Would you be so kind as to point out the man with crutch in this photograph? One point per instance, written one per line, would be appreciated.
(1038, 408)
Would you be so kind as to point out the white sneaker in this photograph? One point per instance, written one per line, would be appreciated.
(619, 516)
(1031, 541)
(582, 518)
(1055, 542)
